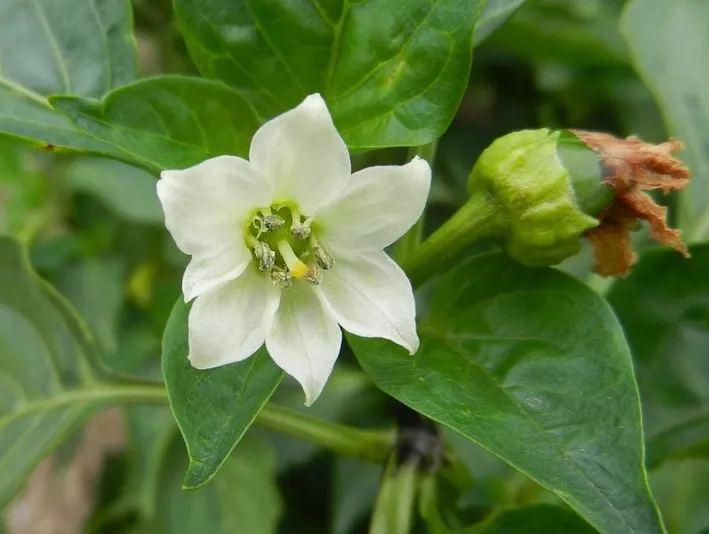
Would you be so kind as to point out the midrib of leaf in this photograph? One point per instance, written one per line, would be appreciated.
(443, 340)
(91, 394)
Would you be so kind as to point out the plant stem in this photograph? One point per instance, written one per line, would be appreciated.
(481, 217)
(367, 445)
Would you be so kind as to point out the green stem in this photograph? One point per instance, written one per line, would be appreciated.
(481, 217)
(368, 445)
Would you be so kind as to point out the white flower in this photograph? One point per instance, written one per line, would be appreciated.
(288, 244)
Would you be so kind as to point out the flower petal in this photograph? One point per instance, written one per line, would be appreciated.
(372, 297)
(203, 273)
(205, 205)
(305, 339)
(378, 206)
(302, 154)
(229, 322)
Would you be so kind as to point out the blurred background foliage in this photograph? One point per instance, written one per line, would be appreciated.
(95, 231)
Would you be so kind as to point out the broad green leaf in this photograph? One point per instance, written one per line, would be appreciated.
(533, 366)
(167, 122)
(664, 308)
(73, 47)
(243, 498)
(535, 519)
(494, 14)
(393, 74)
(668, 42)
(46, 378)
(213, 408)
(129, 191)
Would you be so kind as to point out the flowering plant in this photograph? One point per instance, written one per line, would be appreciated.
(337, 281)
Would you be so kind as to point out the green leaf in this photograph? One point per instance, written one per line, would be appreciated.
(213, 408)
(44, 368)
(242, 499)
(151, 430)
(579, 32)
(535, 519)
(127, 190)
(668, 47)
(532, 365)
(354, 490)
(73, 47)
(95, 289)
(167, 122)
(664, 307)
(494, 14)
(392, 75)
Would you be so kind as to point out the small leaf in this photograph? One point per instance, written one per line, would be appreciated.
(392, 76)
(667, 41)
(532, 365)
(213, 408)
(167, 122)
(664, 307)
(73, 47)
(242, 499)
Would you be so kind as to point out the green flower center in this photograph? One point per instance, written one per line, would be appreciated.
(285, 246)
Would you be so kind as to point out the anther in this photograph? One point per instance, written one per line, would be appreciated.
(265, 256)
(281, 277)
(322, 256)
(272, 222)
(300, 230)
(314, 275)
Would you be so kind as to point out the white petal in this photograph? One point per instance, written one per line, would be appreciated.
(205, 205)
(372, 297)
(203, 273)
(305, 339)
(302, 154)
(378, 206)
(229, 322)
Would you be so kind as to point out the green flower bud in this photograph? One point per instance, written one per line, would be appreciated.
(549, 186)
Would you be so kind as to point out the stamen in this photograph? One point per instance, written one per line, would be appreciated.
(272, 222)
(264, 255)
(281, 278)
(297, 268)
(322, 256)
(314, 275)
(298, 229)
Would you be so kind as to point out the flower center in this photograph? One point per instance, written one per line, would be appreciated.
(283, 243)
